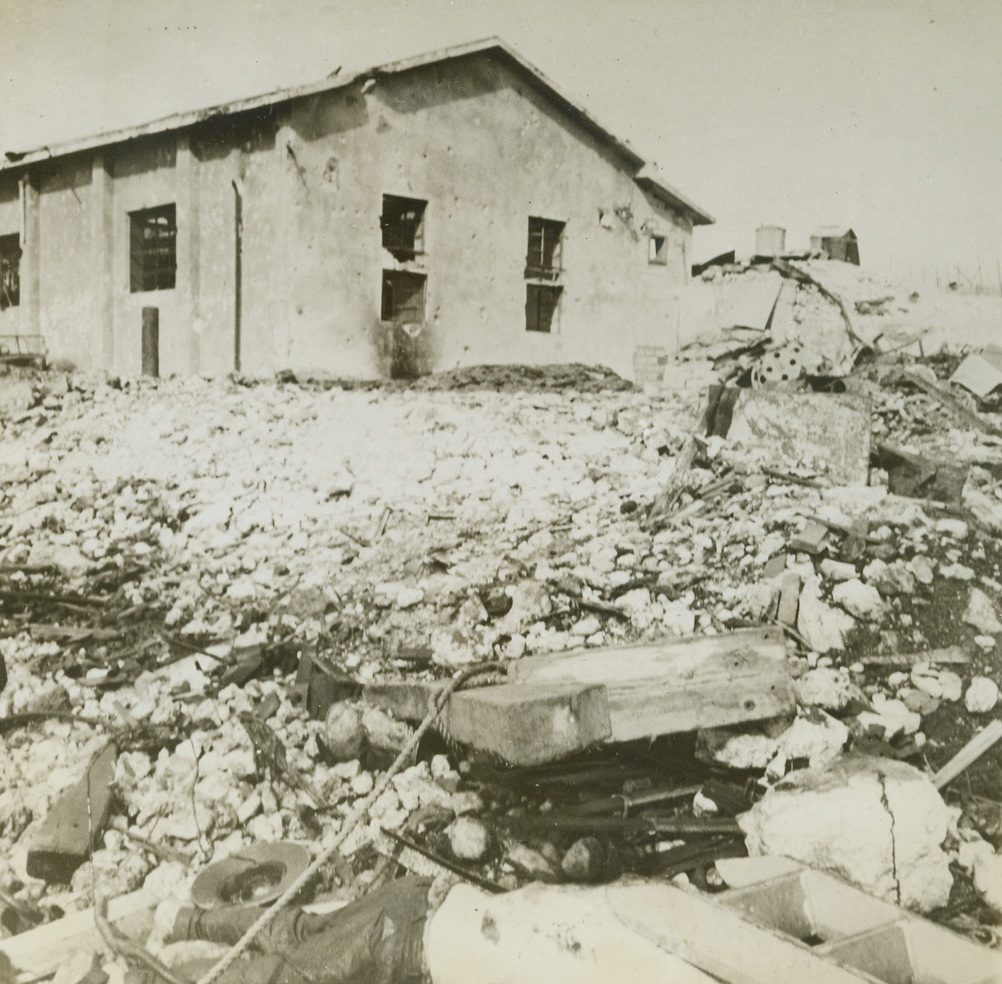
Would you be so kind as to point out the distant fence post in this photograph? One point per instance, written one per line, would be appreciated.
(151, 341)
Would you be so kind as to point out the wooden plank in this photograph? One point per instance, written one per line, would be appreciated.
(680, 684)
(530, 724)
(41, 951)
(75, 823)
(406, 700)
(949, 656)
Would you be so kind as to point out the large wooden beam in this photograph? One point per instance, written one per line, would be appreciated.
(531, 724)
(41, 951)
(679, 684)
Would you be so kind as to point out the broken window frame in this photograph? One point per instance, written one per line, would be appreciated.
(542, 307)
(657, 249)
(403, 297)
(402, 224)
(153, 249)
(10, 271)
(544, 250)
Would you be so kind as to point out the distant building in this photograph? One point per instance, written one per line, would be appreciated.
(448, 210)
(770, 240)
(837, 243)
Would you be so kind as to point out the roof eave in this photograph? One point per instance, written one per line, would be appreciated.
(675, 199)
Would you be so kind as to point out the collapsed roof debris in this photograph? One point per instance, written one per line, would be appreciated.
(579, 647)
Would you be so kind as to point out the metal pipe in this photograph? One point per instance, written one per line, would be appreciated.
(238, 210)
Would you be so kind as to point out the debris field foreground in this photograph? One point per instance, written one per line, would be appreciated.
(219, 577)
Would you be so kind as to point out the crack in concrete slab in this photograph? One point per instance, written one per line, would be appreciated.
(894, 847)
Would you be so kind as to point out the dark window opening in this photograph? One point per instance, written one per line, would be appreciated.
(10, 271)
(657, 250)
(541, 301)
(152, 249)
(403, 297)
(543, 258)
(402, 223)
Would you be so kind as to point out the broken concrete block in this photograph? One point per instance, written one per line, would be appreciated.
(981, 613)
(878, 823)
(822, 626)
(980, 372)
(530, 724)
(827, 433)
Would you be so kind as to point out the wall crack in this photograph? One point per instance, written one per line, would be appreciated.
(894, 846)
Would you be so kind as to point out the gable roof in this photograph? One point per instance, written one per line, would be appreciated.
(646, 175)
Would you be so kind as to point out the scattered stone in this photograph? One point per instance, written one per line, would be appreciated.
(529, 863)
(982, 695)
(829, 688)
(859, 599)
(981, 613)
(892, 579)
(16, 396)
(891, 717)
(469, 839)
(584, 861)
(957, 572)
(980, 858)
(837, 570)
(926, 679)
(921, 567)
(952, 685)
(955, 528)
(344, 735)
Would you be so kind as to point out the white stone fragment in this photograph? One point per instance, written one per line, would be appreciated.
(982, 695)
(822, 626)
(859, 599)
(827, 687)
(469, 839)
(981, 613)
(985, 865)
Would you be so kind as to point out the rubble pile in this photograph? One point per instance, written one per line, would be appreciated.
(253, 590)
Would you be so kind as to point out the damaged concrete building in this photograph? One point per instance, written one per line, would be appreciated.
(448, 210)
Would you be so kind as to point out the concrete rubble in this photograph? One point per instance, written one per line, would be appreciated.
(219, 575)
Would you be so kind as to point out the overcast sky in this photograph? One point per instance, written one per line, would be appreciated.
(885, 115)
